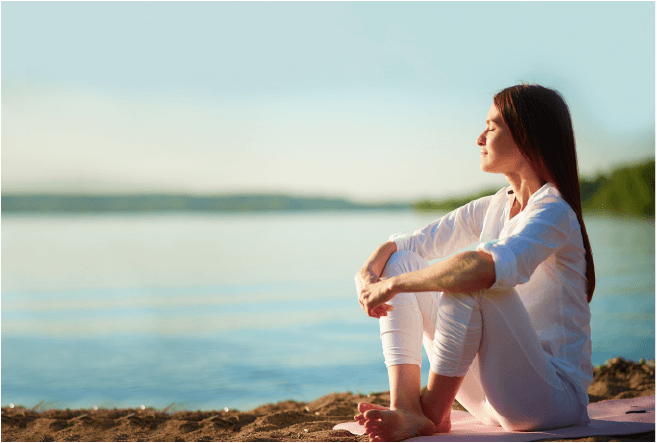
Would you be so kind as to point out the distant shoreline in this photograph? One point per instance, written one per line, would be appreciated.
(66, 204)
(40, 203)
(627, 190)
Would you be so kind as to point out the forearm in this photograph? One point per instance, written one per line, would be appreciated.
(377, 261)
(463, 273)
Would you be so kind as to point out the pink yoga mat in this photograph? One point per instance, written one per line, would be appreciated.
(612, 417)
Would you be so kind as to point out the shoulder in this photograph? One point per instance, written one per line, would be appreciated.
(548, 204)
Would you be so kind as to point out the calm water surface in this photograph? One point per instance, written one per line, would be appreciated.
(235, 310)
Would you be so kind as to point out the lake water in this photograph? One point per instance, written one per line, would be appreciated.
(236, 310)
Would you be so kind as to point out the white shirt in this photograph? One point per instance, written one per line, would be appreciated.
(540, 253)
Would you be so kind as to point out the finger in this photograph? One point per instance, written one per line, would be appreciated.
(385, 308)
(379, 312)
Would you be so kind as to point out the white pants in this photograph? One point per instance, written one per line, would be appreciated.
(488, 337)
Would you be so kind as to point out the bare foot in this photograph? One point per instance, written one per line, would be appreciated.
(396, 425)
(364, 406)
(442, 421)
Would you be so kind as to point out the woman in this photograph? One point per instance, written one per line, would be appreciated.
(506, 327)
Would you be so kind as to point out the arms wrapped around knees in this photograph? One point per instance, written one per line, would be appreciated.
(451, 322)
(469, 271)
(466, 272)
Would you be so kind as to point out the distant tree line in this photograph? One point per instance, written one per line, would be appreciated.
(626, 190)
(166, 202)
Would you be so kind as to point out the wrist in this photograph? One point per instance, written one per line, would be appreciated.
(392, 286)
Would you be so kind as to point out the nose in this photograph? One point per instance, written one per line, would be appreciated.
(481, 140)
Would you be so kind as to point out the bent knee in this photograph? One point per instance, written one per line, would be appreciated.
(401, 262)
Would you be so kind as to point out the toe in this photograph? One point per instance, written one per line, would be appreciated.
(365, 406)
(371, 426)
(373, 414)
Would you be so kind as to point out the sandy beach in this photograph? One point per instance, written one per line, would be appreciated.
(283, 421)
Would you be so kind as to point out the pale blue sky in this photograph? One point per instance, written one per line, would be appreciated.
(370, 101)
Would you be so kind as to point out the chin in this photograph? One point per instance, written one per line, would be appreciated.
(486, 166)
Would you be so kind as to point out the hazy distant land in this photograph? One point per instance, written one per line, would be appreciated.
(169, 202)
(628, 190)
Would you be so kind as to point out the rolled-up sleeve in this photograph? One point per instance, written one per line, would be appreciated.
(542, 232)
(456, 230)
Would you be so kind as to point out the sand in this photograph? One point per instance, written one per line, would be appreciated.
(284, 421)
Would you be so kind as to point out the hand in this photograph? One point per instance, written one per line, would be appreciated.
(373, 293)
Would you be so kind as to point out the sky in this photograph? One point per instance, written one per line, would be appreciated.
(368, 101)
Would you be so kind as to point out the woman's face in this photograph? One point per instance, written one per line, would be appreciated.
(499, 153)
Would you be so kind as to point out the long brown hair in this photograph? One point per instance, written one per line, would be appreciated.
(540, 124)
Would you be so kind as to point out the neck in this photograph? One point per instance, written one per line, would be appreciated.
(524, 186)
